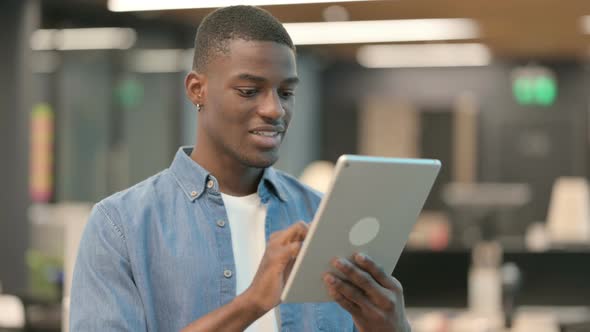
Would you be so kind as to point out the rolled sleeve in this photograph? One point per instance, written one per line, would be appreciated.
(104, 296)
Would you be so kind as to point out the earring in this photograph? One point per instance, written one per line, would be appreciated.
(199, 106)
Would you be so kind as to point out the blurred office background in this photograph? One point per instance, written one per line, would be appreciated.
(92, 101)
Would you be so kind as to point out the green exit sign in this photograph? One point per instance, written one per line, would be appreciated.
(534, 86)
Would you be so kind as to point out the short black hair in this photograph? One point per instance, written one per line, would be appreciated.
(235, 22)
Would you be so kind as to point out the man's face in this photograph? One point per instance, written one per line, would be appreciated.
(249, 101)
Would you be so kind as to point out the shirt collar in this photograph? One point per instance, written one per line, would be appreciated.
(192, 177)
(271, 177)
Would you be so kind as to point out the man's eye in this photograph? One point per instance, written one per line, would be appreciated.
(247, 92)
(286, 94)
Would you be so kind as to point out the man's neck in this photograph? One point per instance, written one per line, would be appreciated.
(234, 178)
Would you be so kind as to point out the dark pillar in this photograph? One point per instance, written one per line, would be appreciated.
(18, 19)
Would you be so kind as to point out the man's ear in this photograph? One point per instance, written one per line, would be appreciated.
(195, 85)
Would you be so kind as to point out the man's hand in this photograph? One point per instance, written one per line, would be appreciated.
(265, 291)
(277, 262)
(373, 298)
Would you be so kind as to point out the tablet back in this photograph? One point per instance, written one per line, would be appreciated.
(371, 207)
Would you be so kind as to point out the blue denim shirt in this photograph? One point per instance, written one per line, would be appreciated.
(153, 257)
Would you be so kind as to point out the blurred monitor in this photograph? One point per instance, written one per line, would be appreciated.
(485, 211)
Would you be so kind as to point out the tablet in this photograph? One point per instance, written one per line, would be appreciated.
(371, 207)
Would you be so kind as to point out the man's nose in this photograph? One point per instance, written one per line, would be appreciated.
(272, 107)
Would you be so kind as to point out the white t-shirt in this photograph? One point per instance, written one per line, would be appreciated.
(246, 216)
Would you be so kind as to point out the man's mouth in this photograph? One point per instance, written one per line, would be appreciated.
(266, 133)
(267, 137)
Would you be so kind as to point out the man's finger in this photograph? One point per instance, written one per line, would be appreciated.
(363, 280)
(384, 279)
(345, 303)
(349, 291)
(293, 248)
(296, 232)
(285, 254)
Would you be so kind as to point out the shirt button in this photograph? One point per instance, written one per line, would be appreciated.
(227, 273)
(221, 223)
(210, 184)
(194, 193)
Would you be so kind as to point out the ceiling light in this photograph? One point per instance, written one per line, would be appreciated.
(424, 55)
(43, 40)
(382, 31)
(585, 24)
(135, 5)
(83, 39)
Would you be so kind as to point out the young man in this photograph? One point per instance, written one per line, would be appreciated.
(207, 244)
